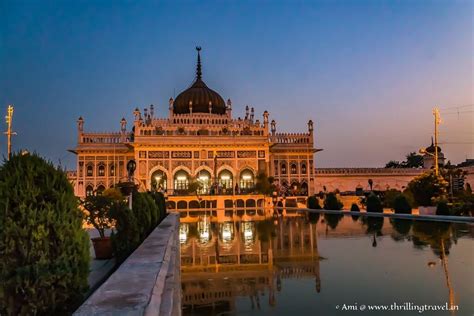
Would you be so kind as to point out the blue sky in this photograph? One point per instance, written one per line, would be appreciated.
(368, 73)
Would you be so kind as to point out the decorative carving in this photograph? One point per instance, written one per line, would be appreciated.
(261, 154)
(142, 154)
(142, 167)
(181, 154)
(246, 154)
(158, 154)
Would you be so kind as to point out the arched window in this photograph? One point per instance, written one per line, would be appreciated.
(275, 163)
(247, 180)
(101, 170)
(303, 168)
(293, 168)
(158, 180)
(90, 170)
(204, 178)
(283, 168)
(181, 180)
(225, 179)
(112, 170)
(100, 189)
(89, 190)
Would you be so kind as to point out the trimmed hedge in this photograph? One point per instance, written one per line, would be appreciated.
(133, 226)
(44, 261)
(374, 204)
(313, 203)
(401, 204)
(332, 202)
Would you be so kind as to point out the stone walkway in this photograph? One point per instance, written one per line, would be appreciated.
(99, 269)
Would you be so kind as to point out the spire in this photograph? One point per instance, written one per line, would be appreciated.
(198, 67)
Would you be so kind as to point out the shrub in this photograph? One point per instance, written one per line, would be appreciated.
(389, 198)
(313, 203)
(355, 207)
(44, 261)
(142, 213)
(374, 204)
(160, 201)
(442, 208)
(126, 236)
(401, 204)
(427, 186)
(332, 202)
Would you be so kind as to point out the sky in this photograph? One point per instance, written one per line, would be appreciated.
(368, 73)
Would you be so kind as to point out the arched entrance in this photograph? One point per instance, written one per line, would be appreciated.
(204, 178)
(181, 182)
(225, 180)
(158, 180)
(247, 180)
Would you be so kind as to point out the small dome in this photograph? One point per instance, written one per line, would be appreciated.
(431, 149)
(199, 96)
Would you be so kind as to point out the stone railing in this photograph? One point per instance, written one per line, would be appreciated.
(104, 138)
(369, 171)
(147, 283)
(291, 138)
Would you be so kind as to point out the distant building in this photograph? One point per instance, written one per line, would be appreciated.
(200, 140)
(429, 156)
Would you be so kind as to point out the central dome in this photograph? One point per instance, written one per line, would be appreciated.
(199, 97)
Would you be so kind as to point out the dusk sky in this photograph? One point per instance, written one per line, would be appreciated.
(368, 73)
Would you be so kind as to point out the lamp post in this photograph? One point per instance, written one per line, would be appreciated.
(9, 132)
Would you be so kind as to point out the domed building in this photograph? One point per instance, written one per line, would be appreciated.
(199, 142)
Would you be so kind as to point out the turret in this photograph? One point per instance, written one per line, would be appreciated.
(229, 108)
(80, 125)
(265, 121)
(137, 114)
(170, 106)
(80, 128)
(123, 125)
(152, 111)
(310, 127)
(252, 114)
(246, 112)
(273, 124)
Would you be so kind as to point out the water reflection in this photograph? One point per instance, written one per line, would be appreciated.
(279, 264)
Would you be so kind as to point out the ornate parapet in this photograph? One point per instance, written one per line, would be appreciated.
(104, 138)
(368, 171)
(291, 138)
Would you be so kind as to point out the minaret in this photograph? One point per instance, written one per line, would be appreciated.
(152, 111)
(252, 114)
(246, 112)
(310, 128)
(123, 129)
(273, 127)
(137, 114)
(170, 108)
(80, 128)
(265, 121)
(229, 108)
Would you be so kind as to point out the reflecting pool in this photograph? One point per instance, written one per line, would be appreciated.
(323, 264)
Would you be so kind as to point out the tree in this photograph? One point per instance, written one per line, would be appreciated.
(393, 164)
(264, 184)
(401, 204)
(374, 204)
(371, 183)
(44, 252)
(413, 160)
(332, 202)
(426, 187)
(313, 203)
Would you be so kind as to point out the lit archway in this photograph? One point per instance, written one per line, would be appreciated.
(204, 178)
(159, 180)
(181, 181)
(247, 180)
(225, 179)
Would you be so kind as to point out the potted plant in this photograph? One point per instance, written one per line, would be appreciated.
(97, 207)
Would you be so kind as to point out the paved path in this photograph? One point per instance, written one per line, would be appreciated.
(99, 269)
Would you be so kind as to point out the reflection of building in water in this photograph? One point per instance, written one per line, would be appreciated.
(267, 251)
